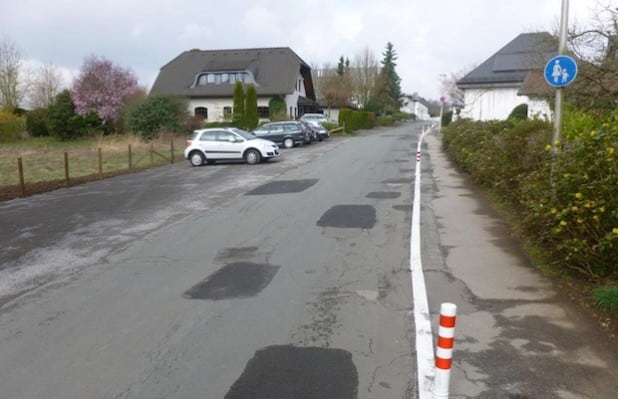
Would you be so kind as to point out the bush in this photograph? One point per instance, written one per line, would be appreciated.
(277, 109)
(565, 203)
(36, 123)
(154, 113)
(384, 120)
(11, 126)
(63, 122)
(251, 113)
(354, 120)
(519, 113)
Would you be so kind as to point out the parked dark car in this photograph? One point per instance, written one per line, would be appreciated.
(288, 133)
(318, 130)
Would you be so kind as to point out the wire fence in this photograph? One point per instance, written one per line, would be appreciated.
(26, 172)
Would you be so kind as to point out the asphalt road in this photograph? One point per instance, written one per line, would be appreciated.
(288, 279)
(282, 280)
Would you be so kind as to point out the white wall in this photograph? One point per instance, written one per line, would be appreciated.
(215, 106)
(489, 104)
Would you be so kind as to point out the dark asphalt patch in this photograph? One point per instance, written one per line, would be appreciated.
(349, 216)
(235, 280)
(283, 187)
(384, 195)
(397, 181)
(286, 371)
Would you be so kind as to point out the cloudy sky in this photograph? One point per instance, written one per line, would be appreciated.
(430, 37)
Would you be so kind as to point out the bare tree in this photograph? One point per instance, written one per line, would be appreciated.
(448, 85)
(12, 83)
(47, 84)
(596, 47)
(364, 74)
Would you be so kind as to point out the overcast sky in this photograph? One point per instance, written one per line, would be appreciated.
(430, 37)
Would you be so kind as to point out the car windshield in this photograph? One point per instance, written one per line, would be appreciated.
(245, 134)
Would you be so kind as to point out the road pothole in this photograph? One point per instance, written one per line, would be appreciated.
(384, 195)
(286, 371)
(235, 280)
(283, 187)
(349, 216)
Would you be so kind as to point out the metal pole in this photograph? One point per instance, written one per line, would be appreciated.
(564, 22)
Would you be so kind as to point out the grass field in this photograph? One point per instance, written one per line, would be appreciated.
(43, 158)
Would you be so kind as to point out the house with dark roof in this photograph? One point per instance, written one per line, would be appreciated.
(510, 77)
(206, 78)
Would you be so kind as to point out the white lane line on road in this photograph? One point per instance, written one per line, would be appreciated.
(422, 318)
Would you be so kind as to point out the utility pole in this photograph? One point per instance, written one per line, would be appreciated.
(564, 22)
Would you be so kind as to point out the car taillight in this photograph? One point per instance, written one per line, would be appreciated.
(189, 142)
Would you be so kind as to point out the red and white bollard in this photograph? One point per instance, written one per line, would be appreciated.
(444, 351)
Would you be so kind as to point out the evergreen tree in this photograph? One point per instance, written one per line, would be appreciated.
(238, 112)
(388, 85)
(251, 113)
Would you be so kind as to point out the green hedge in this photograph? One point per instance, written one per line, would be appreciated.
(570, 211)
(354, 120)
(11, 126)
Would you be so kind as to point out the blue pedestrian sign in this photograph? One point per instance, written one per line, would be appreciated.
(560, 71)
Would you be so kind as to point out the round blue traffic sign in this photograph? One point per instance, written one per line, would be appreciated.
(560, 71)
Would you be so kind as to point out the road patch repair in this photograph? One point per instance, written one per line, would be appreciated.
(384, 195)
(349, 216)
(235, 280)
(285, 371)
(283, 187)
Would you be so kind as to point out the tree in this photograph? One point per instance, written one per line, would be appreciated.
(596, 48)
(387, 92)
(13, 85)
(154, 113)
(364, 75)
(46, 85)
(336, 85)
(103, 88)
(448, 85)
(238, 112)
(62, 120)
(276, 109)
(251, 113)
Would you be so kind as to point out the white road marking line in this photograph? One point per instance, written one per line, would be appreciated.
(422, 318)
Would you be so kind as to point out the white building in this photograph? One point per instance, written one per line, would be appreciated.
(206, 78)
(510, 77)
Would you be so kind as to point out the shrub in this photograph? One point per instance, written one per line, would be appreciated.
(156, 112)
(251, 114)
(276, 109)
(63, 122)
(36, 123)
(384, 120)
(11, 126)
(238, 110)
(519, 113)
(566, 203)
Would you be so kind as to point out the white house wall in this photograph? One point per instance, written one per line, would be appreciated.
(498, 103)
(215, 106)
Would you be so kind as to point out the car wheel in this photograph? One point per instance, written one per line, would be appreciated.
(288, 143)
(252, 157)
(196, 158)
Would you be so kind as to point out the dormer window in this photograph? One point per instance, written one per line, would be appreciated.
(212, 78)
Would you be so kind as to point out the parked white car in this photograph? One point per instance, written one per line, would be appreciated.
(317, 118)
(228, 143)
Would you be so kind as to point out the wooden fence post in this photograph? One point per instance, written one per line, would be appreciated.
(66, 169)
(151, 154)
(22, 184)
(172, 150)
(100, 163)
(130, 166)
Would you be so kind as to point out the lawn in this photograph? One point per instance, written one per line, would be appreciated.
(43, 158)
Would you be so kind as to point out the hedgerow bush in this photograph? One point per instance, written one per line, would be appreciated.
(11, 126)
(354, 120)
(567, 202)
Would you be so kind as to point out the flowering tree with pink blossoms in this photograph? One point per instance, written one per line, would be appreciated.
(103, 89)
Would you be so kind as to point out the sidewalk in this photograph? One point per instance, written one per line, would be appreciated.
(516, 336)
